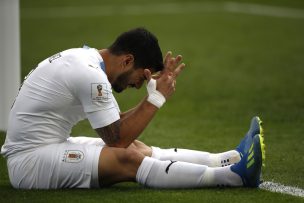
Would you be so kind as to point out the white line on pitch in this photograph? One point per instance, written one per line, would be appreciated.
(280, 188)
(163, 8)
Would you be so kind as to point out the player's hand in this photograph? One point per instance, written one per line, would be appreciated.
(166, 80)
(173, 65)
(165, 84)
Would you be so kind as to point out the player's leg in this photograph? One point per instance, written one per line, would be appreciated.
(117, 165)
(177, 154)
(204, 158)
(198, 157)
(193, 175)
(187, 155)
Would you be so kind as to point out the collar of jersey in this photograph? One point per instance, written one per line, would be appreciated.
(102, 64)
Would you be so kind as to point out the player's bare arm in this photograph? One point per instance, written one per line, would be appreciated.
(129, 112)
(110, 134)
(124, 131)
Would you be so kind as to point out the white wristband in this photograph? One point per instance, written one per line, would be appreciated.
(155, 97)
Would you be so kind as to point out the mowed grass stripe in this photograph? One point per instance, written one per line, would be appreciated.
(163, 8)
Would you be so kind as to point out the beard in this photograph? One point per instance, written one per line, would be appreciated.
(122, 81)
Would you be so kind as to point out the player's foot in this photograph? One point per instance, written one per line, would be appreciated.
(255, 128)
(249, 168)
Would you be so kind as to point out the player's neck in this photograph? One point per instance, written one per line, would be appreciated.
(109, 64)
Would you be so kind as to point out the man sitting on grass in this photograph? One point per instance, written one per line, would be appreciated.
(77, 84)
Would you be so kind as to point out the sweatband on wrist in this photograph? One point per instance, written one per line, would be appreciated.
(155, 97)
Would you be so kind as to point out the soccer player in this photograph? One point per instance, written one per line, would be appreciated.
(76, 84)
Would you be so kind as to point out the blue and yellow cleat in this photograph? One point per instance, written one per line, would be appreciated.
(255, 128)
(249, 168)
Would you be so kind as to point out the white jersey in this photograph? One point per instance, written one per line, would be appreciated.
(64, 89)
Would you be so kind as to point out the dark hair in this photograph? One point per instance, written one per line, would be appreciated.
(143, 45)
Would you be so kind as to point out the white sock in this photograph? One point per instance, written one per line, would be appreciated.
(169, 174)
(197, 157)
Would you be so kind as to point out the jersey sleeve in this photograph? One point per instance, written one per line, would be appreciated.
(92, 88)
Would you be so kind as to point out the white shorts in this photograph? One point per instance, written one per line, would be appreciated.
(71, 164)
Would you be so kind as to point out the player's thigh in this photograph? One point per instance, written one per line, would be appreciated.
(118, 165)
(62, 165)
(141, 147)
(136, 145)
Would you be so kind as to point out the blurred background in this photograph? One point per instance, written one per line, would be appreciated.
(243, 58)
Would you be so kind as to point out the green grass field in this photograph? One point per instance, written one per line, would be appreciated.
(238, 65)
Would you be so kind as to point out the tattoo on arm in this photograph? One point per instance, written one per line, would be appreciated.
(110, 134)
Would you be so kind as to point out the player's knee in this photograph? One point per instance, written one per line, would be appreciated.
(141, 147)
(131, 156)
(118, 164)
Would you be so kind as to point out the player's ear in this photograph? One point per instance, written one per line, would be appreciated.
(128, 60)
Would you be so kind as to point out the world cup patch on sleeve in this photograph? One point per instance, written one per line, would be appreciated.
(72, 156)
(98, 92)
